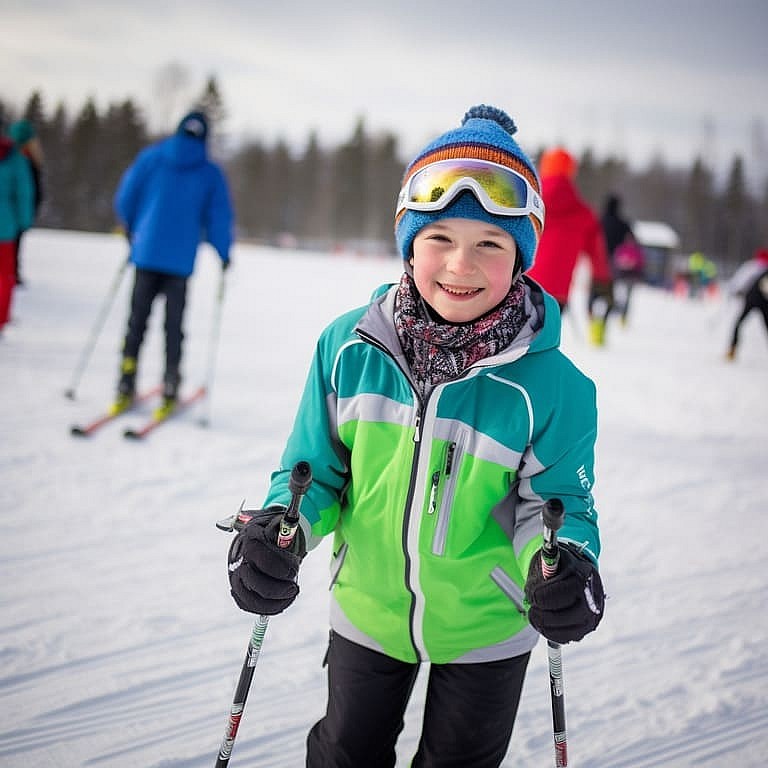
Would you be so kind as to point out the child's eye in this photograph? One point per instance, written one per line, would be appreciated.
(488, 244)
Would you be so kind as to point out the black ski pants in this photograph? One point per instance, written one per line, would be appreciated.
(754, 299)
(146, 287)
(468, 713)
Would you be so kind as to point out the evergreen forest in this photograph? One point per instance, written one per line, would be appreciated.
(343, 196)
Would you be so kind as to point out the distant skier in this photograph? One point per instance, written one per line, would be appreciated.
(170, 199)
(16, 214)
(625, 255)
(750, 282)
(437, 420)
(572, 230)
(23, 134)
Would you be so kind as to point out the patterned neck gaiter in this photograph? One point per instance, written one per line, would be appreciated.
(438, 351)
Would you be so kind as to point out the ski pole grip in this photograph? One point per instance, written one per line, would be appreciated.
(298, 484)
(301, 478)
(553, 515)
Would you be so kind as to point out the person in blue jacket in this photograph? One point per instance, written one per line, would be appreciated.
(438, 420)
(169, 200)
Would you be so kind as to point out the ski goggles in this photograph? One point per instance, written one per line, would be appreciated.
(500, 190)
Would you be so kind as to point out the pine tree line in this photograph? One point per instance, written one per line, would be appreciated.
(324, 196)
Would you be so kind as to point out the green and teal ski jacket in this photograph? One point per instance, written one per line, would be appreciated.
(435, 505)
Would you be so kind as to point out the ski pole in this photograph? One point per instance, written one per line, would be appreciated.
(553, 515)
(213, 343)
(299, 482)
(96, 330)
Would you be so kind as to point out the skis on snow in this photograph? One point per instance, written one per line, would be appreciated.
(85, 430)
(161, 416)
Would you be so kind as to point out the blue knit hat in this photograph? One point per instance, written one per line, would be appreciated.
(21, 132)
(194, 124)
(485, 134)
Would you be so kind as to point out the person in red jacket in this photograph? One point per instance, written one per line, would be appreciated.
(572, 230)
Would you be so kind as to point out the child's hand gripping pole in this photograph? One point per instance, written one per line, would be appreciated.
(298, 484)
(553, 516)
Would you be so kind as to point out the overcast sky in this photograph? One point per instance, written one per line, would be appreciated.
(631, 78)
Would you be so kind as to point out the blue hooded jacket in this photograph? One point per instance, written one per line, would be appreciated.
(172, 198)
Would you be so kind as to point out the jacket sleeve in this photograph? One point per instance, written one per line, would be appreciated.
(560, 464)
(129, 189)
(25, 193)
(598, 253)
(743, 277)
(219, 215)
(314, 439)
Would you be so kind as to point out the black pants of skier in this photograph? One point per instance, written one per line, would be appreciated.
(600, 301)
(146, 287)
(624, 284)
(754, 299)
(468, 713)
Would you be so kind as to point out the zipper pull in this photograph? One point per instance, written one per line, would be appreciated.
(449, 458)
(433, 493)
(417, 433)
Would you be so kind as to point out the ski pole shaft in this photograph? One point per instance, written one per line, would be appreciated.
(553, 515)
(213, 344)
(299, 482)
(96, 330)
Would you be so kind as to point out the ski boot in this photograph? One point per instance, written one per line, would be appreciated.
(126, 386)
(597, 331)
(171, 382)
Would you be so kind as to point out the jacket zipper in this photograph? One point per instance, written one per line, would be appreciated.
(418, 426)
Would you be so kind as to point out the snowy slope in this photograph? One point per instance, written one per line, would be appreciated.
(120, 645)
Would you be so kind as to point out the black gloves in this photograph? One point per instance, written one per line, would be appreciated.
(569, 604)
(262, 576)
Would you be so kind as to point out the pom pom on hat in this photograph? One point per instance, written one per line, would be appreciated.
(194, 124)
(485, 134)
(487, 112)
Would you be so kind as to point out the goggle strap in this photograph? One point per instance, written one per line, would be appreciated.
(482, 152)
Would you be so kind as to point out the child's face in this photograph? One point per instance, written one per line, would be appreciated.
(463, 267)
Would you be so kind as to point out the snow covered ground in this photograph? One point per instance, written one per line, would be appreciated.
(120, 646)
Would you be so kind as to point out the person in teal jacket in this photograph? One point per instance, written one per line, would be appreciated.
(437, 421)
(16, 213)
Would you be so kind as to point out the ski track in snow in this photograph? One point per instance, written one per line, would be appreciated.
(120, 645)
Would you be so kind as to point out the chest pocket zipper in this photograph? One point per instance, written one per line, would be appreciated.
(432, 508)
(452, 459)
